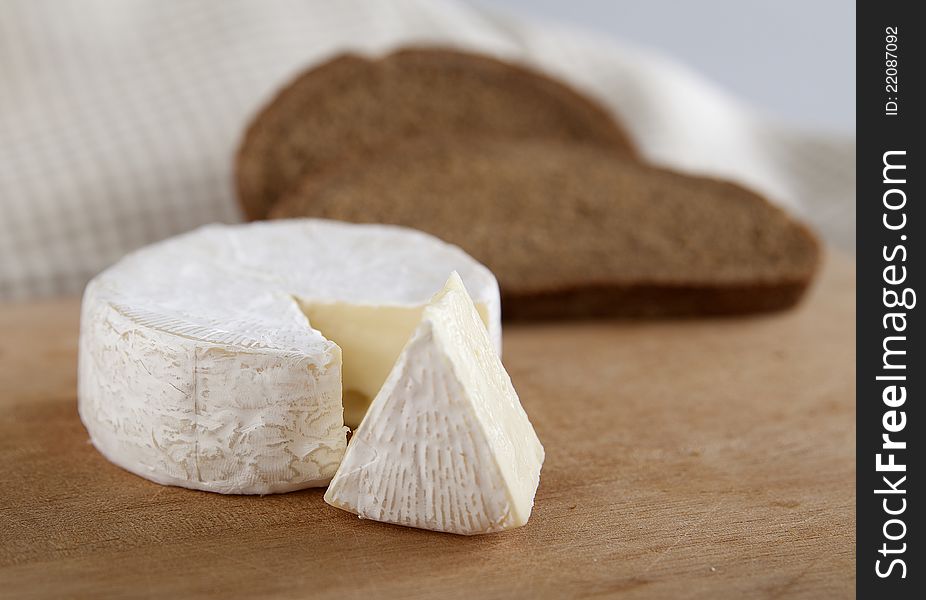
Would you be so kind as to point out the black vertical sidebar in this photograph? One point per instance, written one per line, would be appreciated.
(891, 370)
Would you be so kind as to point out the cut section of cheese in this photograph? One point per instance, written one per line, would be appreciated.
(198, 366)
(445, 444)
(367, 359)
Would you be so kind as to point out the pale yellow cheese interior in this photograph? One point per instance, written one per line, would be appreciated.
(371, 337)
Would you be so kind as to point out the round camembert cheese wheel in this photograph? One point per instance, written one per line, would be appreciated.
(215, 360)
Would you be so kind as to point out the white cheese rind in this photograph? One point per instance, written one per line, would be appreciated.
(198, 369)
(446, 444)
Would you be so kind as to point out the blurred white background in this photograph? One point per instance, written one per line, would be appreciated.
(792, 59)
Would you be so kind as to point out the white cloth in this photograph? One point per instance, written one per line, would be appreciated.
(119, 120)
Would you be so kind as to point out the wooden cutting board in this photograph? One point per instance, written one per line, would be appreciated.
(685, 459)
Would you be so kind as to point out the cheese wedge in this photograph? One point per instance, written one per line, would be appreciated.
(445, 444)
(204, 360)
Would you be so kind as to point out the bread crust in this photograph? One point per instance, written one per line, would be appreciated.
(652, 300)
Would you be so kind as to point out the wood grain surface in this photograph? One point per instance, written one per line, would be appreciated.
(686, 459)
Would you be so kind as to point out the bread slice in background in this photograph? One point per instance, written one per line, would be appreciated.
(574, 230)
(352, 106)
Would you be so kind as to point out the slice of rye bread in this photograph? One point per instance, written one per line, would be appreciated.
(352, 105)
(572, 230)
